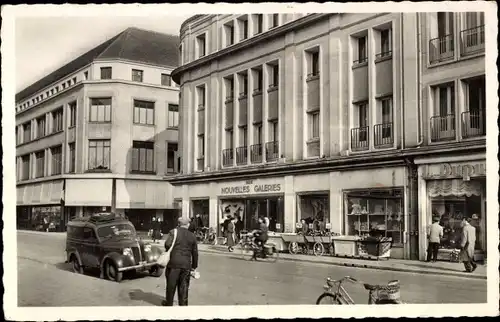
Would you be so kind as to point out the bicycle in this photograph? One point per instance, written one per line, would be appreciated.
(296, 247)
(249, 247)
(335, 293)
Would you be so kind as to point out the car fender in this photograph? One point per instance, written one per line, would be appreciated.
(115, 257)
(76, 253)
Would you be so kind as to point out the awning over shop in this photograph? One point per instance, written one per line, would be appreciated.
(143, 194)
(453, 187)
(41, 193)
(88, 192)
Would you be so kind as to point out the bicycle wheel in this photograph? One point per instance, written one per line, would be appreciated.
(246, 251)
(213, 240)
(293, 248)
(274, 257)
(318, 249)
(328, 299)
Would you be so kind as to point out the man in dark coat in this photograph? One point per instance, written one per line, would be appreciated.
(183, 260)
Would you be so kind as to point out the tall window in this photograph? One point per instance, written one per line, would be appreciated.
(201, 40)
(315, 63)
(260, 19)
(40, 164)
(363, 121)
(201, 145)
(386, 117)
(229, 139)
(259, 79)
(27, 132)
(25, 167)
(274, 131)
(144, 112)
(385, 43)
(244, 29)
(362, 57)
(275, 20)
(275, 74)
(166, 80)
(56, 153)
(40, 127)
(100, 110)
(229, 28)
(72, 157)
(314, 125)
(137, 75)
(57, 120)
(143, 156)
(99, 154)
(72, 114)
(173, 115)
(106, 73)
(258, 133)
(445, 22)
(446, 100)
(172, 149)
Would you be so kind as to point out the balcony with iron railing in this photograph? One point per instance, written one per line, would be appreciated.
(227, 157)
(383, 135)
(473, 123)
(241, 155)
(443, 128)
(360, 137)
(472, 40)
(272, 151)
(256, 153)
(441, 49)
(385, 54)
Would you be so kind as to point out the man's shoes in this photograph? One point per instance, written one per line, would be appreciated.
(473, 268)
(164, 303)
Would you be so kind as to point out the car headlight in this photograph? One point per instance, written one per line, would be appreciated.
(127, 252)
(147, 248)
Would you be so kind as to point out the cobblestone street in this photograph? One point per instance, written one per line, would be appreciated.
(44, 280)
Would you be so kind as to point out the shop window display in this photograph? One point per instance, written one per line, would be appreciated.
(314, 210)
(46, 218)
(375, 213)
(201, 207)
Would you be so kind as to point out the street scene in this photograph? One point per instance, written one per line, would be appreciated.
(226, 279)
(286, 158)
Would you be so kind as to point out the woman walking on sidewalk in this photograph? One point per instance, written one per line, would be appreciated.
(230, 234)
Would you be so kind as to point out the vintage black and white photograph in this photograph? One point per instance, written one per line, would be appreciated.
(250, 155)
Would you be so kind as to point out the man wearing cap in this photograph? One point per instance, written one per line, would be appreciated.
(435, 233)
(183, 260)
(467, 245)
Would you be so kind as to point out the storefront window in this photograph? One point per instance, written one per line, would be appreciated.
(201, 208)
(142, 219)
(87, 211)
(453, 200)
(314, 210)
(46, 218)
(375, 213)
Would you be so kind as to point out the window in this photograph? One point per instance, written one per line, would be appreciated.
(260, 19)
(314, 125)
(386, 118)
(201, 41)
(258, 134)
(99, 154)
(40, 164)
(144, 112)
(72, 159)
(26, 132)
(57, 120)
(40, 127)
(100, 110)
(173, 115)
(166, 80)
(106, 73)
(201, 145)
(137, 75)
(63, 87)
(172, 149)
(275, 70)
(85, 75)
(385, 43)
(362, 122)
(259, 79)
(72, 114)
(229, 138)
(243, 24)
(362, 57)
(315, 63)
(313, 212)
(56, 161)
(25, 167)
(229, 29)
(474, 117)
(445, 22)
(443, 121)
(275, 20)
(244, 136)
(143, 156)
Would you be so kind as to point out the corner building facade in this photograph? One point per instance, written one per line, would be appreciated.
(295, 116)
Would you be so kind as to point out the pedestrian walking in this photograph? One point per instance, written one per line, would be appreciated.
(467, 245)
(192, 224)
(224, 228)
(230, 234)
(183, 261)
(238, 227)
(434, 235)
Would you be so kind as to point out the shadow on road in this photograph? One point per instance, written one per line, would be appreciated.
(95, 272)
(149, 297)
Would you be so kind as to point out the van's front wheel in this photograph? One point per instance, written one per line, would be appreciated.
(112, 272)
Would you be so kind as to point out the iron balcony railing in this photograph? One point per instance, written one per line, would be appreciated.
(473, 123)
(443, 128)
(472, 40)
(360, 61)
(272, 150)
(359, 138)
(383, 54)
(242, 155)
(227, 157)
(256, 153)
(441, 49)
(383, 134)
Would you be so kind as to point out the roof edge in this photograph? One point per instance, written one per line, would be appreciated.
(190, 19)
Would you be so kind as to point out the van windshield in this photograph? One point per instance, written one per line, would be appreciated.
(119, 230)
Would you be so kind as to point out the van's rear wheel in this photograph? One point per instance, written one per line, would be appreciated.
(77, 268)
(112, 272)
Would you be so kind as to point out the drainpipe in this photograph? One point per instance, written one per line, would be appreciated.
(401, 86)
(420, 136)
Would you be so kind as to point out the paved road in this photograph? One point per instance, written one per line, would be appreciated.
(44, 280)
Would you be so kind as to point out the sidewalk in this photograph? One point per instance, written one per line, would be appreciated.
(400, 265)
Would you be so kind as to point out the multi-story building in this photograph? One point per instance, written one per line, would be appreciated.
(100, 133)
(315, 117)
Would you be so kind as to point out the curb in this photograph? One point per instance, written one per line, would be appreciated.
(368, 266)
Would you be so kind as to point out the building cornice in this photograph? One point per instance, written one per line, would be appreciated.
(251, 42)
(339, 163)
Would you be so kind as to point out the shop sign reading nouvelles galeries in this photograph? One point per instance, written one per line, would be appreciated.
(456, 170)
(249, 187)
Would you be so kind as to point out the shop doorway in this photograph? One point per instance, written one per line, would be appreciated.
(200, 208)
